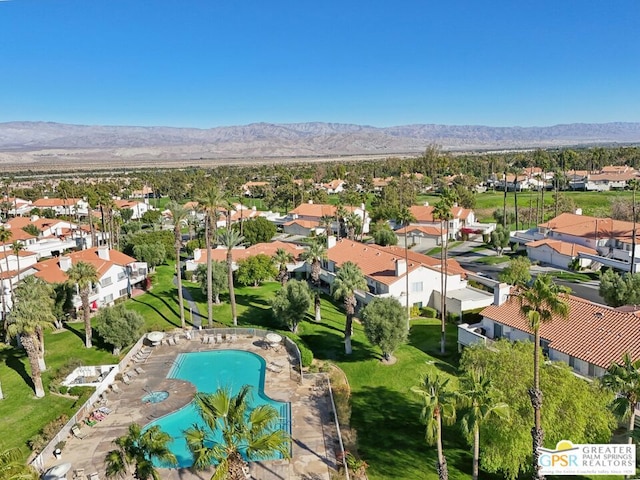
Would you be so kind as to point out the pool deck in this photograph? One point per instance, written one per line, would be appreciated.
(313, 429)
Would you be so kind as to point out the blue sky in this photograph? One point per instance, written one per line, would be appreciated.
(207, 63)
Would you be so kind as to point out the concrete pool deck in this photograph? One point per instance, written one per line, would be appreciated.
(314, 437)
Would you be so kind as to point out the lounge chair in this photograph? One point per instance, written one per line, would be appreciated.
(94, 476)
(173, 341)
(279, 363)
(78, 474)
(126, 379)
(105, 410)
(205, 339)
(218, 338)
(272, 368)
(116, 388)
(132, 373)
(77, 432)
(139, 370)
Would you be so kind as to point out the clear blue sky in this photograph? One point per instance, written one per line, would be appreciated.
(207, 63)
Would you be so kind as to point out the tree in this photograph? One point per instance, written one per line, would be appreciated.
(153, 254)
(5, 236)
(164, 237)
(442, 211)
(219, 282)
(385, 324)
(27, 317)
(405, 217)
(12, 467)
(506, 443)
(255, 270)
(84, 275)
(500, 239)
(17, 247)
(258, 230)
(479, 397)
(617, 290)
(353, 222)
(314, 256)
(623, 379)
(151, 217)
(439, 406)
(291, 304)
(281, 259)
(385, 236)
(231, 429)
(348, 279)
(539, 304)
(118, 326)
(517, 272)
(230, 239)
(138, 449)
(211, 204)
(179, 215)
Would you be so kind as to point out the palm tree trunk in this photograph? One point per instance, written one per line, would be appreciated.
(87, 319)
(443, 286)
(406, 275)
(1, 394)
(476, 453)
(207, 239)
(32, 353)
(537, 434)
(40, 336)
(348, 327)
(632, 423)
(232, 293)
(316, 302)
(443, 471)
(179, 275)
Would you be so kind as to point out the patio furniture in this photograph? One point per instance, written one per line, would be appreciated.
(115, 388)
(219, 338)
(78, 474)
(94, 476)
(139, 370)
(126, 379)
(77, 432)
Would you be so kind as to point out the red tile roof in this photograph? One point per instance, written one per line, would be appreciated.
(594, 333)
(564, 248)
(318, 210)
(269, 249)
(55, 202)
(49, 270)
(429, 230)
(589, 227)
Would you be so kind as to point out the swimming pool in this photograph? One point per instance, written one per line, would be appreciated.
(209, 371)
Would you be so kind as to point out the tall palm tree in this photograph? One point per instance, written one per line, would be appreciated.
(17, 247)
(39, 293)
(281, 259)
(138, 449)
(241, 428)
(623, 379)
(479, 397)
(27, 317)
(5, 236)
(179, 215)
(539, 304)
(348, 279)
(84, 275)
(231, 238)
(12, 467)
(210, 204)
(405, 217)
(442, 211)
(353, 221)
(439, 406)
(314, 256)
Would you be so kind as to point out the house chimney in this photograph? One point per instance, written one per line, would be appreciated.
(401, 267)
(65, 263)
(103, 253)
(197, 253)
(501, 293)
(331, 241)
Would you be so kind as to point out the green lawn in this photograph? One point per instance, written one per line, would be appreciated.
(492, 259)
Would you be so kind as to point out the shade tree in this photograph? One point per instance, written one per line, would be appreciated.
(385, 324)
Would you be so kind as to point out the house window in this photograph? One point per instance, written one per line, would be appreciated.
(572, 362)
(108, 298)
(121, 275)
(122, 292)
(417, 287)
(497, 331)
(592, 370)
(105, 282)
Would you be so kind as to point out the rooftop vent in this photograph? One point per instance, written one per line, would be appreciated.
(598, 315)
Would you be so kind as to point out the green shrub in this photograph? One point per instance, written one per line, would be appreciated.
(50, 430)
(306, 355)
(415, 311)
(342, 399)
(429, 312)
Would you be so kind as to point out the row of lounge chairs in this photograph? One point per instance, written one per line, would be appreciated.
(276, 366)
(212, 339)
(78, 474)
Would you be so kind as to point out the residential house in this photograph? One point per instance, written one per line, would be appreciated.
(250, 189)
(138, 207)
(144, 192)
(18, 206)
(118, 274)
(589, 340)
(558, 253)
(316, 212)
(387, 272)
(461, 218)
(333, 187)
(63, 206)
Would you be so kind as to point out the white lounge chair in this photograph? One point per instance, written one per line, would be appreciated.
(94, 476)
(272, 368)
(219, 338)
(126, 379)
(139, 370)
(77, 432)
(116, 388)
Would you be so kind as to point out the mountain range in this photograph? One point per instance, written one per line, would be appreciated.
(45, 143)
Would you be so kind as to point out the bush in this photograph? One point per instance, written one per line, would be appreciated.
(50, 430)
(429, 312)
(306, 355)
(342, 399)
(415, 311)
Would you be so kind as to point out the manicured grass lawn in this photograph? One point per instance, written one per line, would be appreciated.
(492, 260)
(436, 250)
(575, 276)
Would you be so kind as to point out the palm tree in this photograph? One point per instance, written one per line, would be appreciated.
(231, 238)
(138, 449)
(348, 279)
(439, 407)
(26, 319)
(5, 236)
(314, 256)
(179, 215)
(39, 293)
(84, 275)
(539, 304)
(478, 395)
(17, 247)
(405, 217)
(623, 379)
(241, 430)
(12, 467)
(211, 204)
(442, 211)
(282, 258)
(353, 221)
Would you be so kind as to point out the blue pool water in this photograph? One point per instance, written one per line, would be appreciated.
(209, 371)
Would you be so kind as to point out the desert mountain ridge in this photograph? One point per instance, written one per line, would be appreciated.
(33, 143)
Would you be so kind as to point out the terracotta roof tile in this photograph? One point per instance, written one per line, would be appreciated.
(594, 333)
(564, 248)
(589, 227)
